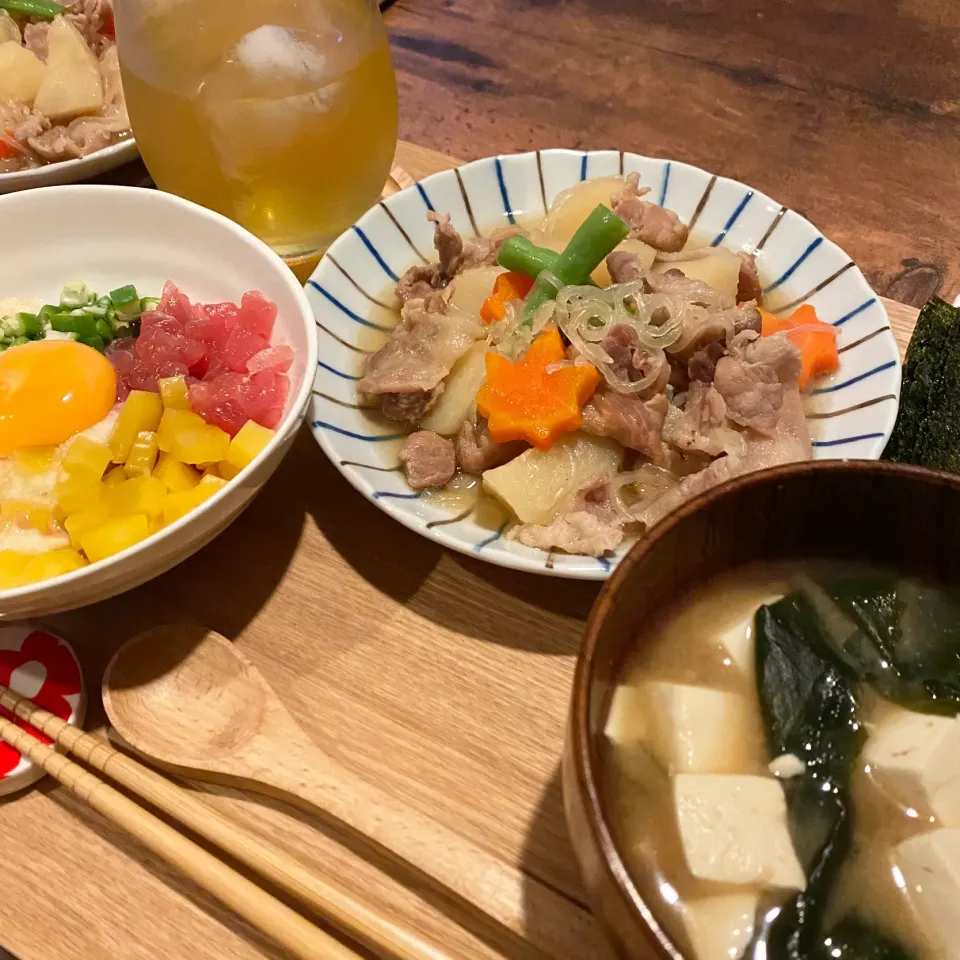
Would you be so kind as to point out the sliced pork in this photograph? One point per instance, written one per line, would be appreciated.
(631, 361)
(656, 226)
(790, 443)
(477, 452)
(748, 287)
(624, 266)
(428, 460)
(752, 379)
(407, 370)
(628, 419)
(590, 527)
(701, 423)
(454, 256)
(703, 364)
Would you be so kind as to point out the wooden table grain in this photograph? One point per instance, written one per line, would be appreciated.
(848, 111)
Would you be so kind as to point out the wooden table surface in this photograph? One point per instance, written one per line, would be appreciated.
(436, 676)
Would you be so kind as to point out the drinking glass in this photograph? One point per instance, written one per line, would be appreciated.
(280, 114)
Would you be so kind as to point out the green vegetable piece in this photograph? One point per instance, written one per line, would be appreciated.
(63, 323)
(148, 303)
(124, 296)
(594, 239)
(44, 9)
(18, 341)
(126, 303)
(47, 313)
(922, 434)
(30, 325)
(105, 330)
(76, 294)
(94, 341)
(522, 255)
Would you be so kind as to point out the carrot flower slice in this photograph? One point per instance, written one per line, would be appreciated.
(816, 341)
(526, 400)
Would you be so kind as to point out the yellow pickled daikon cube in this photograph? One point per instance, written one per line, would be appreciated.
(53, 563)
(77, 524)
(114, 476)
(227, 470)
(175, 424)
(177, 505)
(87, 458)
(174, 393)
(30, 461)
(140, 411)
(143, 455)
(26, 514)
(251, 438)
(175, 476)
(76, 492)
(190, 438)
(115, 535)
(138, 495)
(12, 566)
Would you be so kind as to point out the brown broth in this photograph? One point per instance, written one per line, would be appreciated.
(684, 646)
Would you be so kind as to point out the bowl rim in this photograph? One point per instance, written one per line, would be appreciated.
(116, 154)
(583, 752)
(290, 422)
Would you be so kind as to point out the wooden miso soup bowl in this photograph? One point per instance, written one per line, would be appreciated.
(906, 518)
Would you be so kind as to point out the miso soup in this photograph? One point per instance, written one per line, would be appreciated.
(781, 767)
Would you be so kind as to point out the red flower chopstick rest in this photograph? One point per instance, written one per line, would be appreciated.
(41, 666)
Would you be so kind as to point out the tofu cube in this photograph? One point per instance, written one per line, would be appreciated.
(734, 830)
(738, 643)
(696, 729)
(627, 719)
(719, 928)
(930, 865)
(915, 759)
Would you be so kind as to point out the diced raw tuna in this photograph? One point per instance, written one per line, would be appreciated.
(206, 326)
(228, 312)
(265, 394)
(241, 345)
(273, 358)
(221, 401)
(174, 303)
(232, 371)
(257, 314)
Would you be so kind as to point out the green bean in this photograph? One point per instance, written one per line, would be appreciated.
(45, 9)
(521, 255)
(595, 238)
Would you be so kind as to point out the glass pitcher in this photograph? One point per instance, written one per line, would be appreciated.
(280, 114)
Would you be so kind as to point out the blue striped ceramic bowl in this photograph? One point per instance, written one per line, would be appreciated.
(851, 415)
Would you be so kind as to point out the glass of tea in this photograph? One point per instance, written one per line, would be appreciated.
(280, 114)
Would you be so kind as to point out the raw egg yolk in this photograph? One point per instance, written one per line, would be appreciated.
(50, 390)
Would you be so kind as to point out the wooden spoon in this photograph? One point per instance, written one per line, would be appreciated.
(187, 698)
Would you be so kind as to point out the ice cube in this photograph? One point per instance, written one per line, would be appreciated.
(277, 53)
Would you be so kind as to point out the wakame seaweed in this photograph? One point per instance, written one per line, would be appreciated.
(813, 648)
(854, 939)
(927, 432)
(903, 639)
(809, 710)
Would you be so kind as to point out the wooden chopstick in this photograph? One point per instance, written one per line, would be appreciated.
(270, 915)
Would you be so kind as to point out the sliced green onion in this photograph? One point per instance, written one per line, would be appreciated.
(76, 294)
(30, 325)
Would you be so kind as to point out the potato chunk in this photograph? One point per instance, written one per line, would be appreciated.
(71, 85)
(537, 484)
(21, 73)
